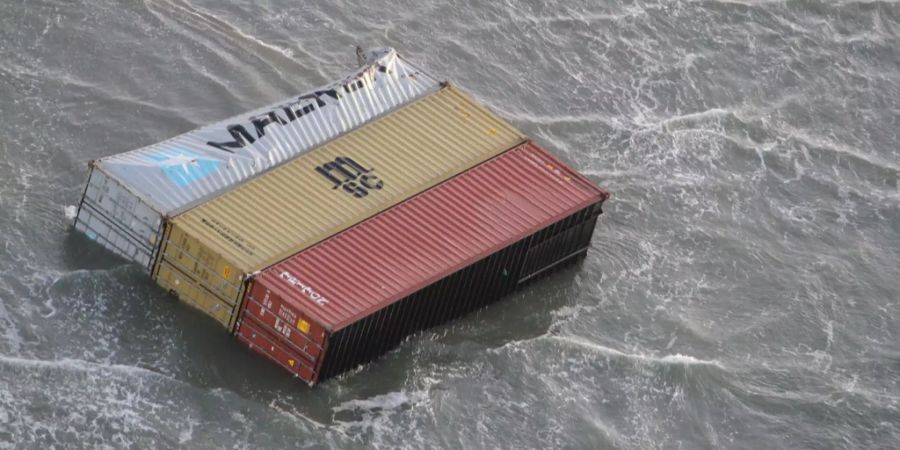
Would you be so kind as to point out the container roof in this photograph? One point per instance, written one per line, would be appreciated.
(180, 172)
(349, 179)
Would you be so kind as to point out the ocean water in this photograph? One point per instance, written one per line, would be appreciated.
(742, 289)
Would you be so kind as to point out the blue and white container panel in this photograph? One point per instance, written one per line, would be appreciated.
(129, 195)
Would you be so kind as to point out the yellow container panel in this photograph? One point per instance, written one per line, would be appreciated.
(187, 254)
(192, 293)
(329, 189)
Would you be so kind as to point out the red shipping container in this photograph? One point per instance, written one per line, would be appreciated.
(434, 257)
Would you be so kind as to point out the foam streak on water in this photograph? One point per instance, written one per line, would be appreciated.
(741, 290)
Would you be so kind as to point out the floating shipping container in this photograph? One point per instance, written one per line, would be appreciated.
(441, 254)
(128, 195)
(208, 251)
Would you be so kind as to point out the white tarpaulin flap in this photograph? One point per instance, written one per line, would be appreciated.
(128, 194)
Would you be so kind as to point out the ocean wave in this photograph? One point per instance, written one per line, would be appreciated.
(383, 402)
(183, 15)
(82, 366)
(676, 359)
(560, 119)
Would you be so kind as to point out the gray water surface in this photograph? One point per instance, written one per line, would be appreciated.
(742, 290)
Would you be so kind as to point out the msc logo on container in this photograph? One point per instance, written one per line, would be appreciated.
(349, 175)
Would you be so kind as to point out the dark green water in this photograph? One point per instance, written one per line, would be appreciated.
(743, 289)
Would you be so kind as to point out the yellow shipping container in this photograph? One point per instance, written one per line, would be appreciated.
(209, 251)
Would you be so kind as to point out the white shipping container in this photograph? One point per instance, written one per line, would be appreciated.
(128, 195)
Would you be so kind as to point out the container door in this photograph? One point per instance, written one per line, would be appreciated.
(118, 220)
(270, 326)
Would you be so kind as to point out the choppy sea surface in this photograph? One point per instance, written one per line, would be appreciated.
(742, 290)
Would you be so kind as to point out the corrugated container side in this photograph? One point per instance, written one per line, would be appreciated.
(465, 291)
(128, 195)
(451, 297)
(437, 256)
(210, 249)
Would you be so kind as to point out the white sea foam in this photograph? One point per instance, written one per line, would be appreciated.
(561, 119)
(294, 415)
(71, 211)
(187, 434)
(676, 359)
(712, 113)
(78, 365)
(389, 401)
